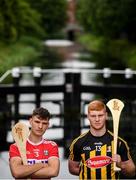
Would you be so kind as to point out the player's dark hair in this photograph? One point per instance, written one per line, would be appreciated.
(41, 113)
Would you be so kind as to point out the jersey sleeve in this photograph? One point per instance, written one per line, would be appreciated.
(54, 152)
(13, 151)
(124, 150)
(74, 152)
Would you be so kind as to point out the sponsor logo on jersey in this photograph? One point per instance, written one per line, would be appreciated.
(98, 161)
(87, 148)
(33, 161)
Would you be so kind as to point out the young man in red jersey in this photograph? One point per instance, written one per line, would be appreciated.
(42, 155)
(91, 154)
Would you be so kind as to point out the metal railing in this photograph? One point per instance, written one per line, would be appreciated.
(37, 72)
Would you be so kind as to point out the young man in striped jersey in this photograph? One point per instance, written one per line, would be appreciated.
(91, 154)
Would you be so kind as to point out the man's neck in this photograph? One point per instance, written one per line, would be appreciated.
(34, 139)
(99, 132)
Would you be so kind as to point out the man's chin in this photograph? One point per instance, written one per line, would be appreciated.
(98, 127)
(39, 133)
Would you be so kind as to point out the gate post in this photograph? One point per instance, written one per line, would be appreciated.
(71, 109)
(37, 79)
(16, 78)
(5, 122)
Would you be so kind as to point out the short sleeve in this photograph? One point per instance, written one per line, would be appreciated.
(124, 150)
(74, 152)
(54, 152)
(13, 151)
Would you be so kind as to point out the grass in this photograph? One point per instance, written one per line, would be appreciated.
(18, 53)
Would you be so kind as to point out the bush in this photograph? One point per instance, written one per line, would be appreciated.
(116, 54)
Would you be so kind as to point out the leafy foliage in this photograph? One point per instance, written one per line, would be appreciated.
(111, 26)
(28, 51)
(106, 17)
(116, 54)
(23, 26)
(17, 19)
(53, 14)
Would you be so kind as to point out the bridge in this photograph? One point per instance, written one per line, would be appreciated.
(73, 86)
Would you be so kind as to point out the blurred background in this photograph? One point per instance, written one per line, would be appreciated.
(61, 54)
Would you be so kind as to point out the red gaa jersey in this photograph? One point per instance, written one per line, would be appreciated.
(39, 152)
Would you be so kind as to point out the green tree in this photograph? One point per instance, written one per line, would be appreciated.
(107, 17)
(17, 19)
(115, 23)
(53, 14)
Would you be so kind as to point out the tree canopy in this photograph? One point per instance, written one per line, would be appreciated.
(53, 14)
(30, 17)
(24, 24)
(17, 18)
(111, 31)
(107, 17)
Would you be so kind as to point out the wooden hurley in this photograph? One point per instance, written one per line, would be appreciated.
(20, 132)
(115, 106)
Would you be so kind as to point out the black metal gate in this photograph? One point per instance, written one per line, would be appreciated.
(72, 103)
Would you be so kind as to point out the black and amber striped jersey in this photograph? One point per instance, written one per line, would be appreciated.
(94, 155)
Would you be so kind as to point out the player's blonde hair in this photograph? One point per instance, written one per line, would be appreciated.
(96, 105)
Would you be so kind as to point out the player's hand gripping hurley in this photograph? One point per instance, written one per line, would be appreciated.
(20, 132)
(115, 106)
